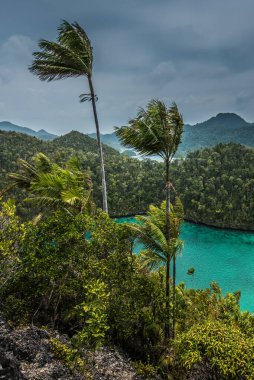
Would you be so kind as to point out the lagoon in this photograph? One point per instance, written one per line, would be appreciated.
(224, 256)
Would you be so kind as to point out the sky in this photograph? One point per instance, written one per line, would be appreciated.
(198, 53)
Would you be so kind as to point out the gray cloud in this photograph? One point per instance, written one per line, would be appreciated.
(198, 53)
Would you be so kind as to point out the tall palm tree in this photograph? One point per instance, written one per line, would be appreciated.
(54, 186)
(151, 232)
(70, 56)
(156, 130)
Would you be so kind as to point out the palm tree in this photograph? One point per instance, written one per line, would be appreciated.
(151, 232)
(54, 186)
(70, 56)
(156, 130)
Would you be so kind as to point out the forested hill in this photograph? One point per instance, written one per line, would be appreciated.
(223, 128)
(216, 184)
(79, 141)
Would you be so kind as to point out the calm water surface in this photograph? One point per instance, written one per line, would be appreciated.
(224, 256)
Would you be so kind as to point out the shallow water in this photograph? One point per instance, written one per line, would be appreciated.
(224, 256)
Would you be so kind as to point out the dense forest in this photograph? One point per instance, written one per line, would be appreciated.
(215, 184)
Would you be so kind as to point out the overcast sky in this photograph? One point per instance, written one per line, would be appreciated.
(199, 53)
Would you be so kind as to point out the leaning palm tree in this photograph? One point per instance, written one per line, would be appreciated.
(70, 56)
(151, 232)
(54, 186)
(156, 130)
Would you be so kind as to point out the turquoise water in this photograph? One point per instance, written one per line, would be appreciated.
(224, 256)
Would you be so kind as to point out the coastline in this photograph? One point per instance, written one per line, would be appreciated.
(240, 229)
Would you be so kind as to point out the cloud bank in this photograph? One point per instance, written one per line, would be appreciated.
(195, 52)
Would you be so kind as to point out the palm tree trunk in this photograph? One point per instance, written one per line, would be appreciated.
(174, 296)
(103, 178)
(167, 327)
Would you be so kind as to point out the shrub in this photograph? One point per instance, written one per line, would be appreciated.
(226, 348)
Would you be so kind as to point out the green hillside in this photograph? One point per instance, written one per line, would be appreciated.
(216, 186)
(224, 128)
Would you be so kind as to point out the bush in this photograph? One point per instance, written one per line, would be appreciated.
(227, 349)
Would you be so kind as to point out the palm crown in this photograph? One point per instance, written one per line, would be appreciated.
(152, 233)
(70, 56)
(156, 130)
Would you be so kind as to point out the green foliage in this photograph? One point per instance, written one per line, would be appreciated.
(147, 371)
(70, 357)
(216, 186)
(195, 306)
(12, 235)
(78, 273)
(12, 231)
(52, 185)
(47, 276)
(224, 346)
(156, 130)
(94, 311)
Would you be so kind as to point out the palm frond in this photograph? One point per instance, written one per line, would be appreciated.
(75, 37)
(42, 163)
(151, 232)
(70, 56)
(150, 260)
(52, 185)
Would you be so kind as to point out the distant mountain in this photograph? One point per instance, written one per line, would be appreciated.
(223, 128)
(80, 142)
(41, 134)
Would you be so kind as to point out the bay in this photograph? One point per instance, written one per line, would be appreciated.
(220, 255)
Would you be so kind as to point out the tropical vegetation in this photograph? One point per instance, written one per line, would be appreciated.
(77, 273)
(216, 186)
(51, 185)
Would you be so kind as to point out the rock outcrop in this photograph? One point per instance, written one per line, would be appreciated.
(26, 354)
